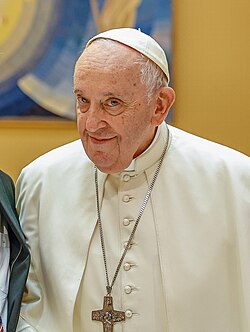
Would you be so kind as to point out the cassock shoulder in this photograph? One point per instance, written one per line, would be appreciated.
(62, 156)
(64, 153)
(60, 164)
(197, 150)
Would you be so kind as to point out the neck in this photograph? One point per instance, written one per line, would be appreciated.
(131, 167)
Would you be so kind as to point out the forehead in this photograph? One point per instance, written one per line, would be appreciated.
(108, 56)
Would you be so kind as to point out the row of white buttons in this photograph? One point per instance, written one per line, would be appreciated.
(127, 266)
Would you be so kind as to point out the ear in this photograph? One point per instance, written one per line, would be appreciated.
(164, 100)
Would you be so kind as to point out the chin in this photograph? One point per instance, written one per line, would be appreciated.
(108, 164)
(108, 169)
(104, 166)
(114, 168)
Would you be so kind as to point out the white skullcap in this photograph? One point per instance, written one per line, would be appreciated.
(139, 41)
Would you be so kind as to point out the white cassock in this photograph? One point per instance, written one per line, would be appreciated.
(188, 269)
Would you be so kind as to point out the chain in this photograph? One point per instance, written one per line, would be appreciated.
(145, 201)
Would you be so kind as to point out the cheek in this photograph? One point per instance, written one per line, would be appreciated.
(138, 117)
(80, 122)
(129, 126)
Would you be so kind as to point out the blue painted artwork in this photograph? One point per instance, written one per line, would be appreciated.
(41, 40)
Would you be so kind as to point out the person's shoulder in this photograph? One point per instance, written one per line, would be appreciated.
(70, 155)
(60, 154)
(7, 187)
(6, 180)
(5, 176)
(202, 150)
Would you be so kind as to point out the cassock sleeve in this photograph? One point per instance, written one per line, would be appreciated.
(27, 202)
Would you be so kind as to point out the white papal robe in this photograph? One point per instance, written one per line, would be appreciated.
(188, 269)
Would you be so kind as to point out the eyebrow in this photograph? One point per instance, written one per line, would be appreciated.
(107, 94)
(77, 91)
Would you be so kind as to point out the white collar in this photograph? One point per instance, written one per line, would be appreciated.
(131, 167)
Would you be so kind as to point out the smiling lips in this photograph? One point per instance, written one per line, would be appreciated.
(100, 140)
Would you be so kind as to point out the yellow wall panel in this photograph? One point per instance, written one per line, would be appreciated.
(211, 71)
(23, 141)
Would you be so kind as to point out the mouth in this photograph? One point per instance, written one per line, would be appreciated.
(100, 140)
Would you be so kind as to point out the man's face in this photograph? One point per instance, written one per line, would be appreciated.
(113, 115)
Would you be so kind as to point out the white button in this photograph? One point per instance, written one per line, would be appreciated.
(126, 266)
(126, 198)
(127, 289)
(126, 178)
(125, 244)
(128, 313)
(126, 222)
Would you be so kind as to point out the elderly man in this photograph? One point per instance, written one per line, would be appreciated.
(148, 229)
(14, 258)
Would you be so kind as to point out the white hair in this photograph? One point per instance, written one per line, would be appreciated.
(151, 75)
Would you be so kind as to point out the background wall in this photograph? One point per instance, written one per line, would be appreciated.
(211, 70)
(21, 142)
(211, 51)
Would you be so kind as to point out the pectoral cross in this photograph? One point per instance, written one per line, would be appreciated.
(107, 315)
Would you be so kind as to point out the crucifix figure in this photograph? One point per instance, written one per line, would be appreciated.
(107, 315)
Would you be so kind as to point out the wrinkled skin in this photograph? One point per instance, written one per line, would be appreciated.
(115, 121)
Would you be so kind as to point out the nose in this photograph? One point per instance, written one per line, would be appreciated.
(94, 118)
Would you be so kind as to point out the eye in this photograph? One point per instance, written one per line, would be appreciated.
(112, 102)
(81, 100)
(113, 106)
(82, 104)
